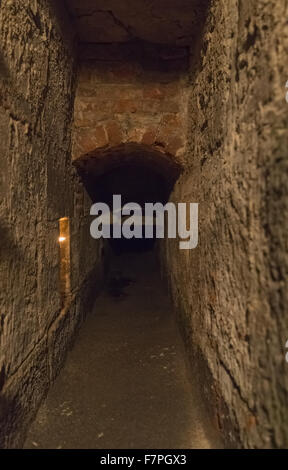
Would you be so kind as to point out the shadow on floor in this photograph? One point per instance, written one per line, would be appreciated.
(124, 385)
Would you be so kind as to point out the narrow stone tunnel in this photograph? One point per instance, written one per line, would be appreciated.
(116, 343)
(125, 383)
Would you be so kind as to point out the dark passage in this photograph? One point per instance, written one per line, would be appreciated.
(125, 384)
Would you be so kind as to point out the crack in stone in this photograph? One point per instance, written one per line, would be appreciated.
(116, 20)
(236, 386)
(122, 25)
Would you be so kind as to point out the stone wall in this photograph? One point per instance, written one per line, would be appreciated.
(231, 292)
(38, 186)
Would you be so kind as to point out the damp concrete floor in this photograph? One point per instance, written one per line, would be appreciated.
(125, 383)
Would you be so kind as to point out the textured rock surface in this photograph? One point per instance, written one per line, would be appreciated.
(160, 21)
(232, 290)
(38, 186)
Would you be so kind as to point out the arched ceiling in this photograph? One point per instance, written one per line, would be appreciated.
(132, 170)
(174, 22)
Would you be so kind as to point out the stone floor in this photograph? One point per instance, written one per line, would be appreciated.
(124, 385)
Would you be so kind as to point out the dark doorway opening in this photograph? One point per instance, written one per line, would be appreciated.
(136, 173)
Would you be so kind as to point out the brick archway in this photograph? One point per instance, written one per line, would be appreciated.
(165, 138)
(100, 161)
(128, 99)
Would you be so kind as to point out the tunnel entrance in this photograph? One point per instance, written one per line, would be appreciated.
(135, 183)
(138, 174)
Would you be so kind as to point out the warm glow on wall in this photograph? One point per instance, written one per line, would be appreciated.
(64, 261)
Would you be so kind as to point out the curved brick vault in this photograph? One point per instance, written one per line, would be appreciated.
(93, 165)
(165, 137)
(132, 102)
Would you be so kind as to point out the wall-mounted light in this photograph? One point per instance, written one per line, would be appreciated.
(64, 261)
